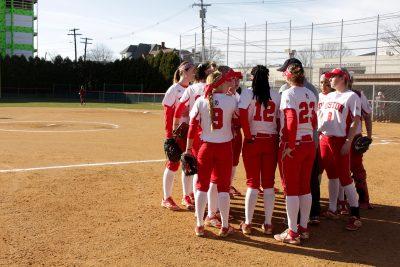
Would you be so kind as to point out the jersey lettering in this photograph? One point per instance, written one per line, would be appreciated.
(218, 118)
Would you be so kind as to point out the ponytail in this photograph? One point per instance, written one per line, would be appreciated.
(260, 85)
(212, 78)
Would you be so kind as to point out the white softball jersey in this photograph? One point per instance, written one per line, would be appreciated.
(338, 112)
(304, 102)
(193, 92)
(224, 108)
(261, 119)
(172, 97)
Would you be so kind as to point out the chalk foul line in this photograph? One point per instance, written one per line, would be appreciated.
(81, 165)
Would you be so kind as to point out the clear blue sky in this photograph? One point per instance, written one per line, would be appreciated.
(112, 22)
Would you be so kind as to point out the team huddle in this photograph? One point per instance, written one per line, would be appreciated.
(210, 121)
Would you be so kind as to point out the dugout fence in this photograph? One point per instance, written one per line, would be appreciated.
(384, 98)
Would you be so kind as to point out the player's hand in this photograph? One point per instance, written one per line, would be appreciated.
(287, 152)
(345, 148)
(250, 140)
(189, 151)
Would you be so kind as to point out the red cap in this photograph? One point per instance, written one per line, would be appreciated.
(337, 72)
(227, 76)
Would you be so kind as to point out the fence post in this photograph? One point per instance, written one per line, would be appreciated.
(209, 52)
(376, 59)
(195, 46)
(104, 91)
(311, 52)
(290, 38)
(244, 55)
(266, 42)
(341, 45)
(227, 49)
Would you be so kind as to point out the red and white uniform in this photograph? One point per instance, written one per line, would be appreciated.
(356, 159)
(365, 109)
(186, 102)
(170, 103)
(191, 94)
(298, 119)
(215, 154)
(237, 140)
(259, 157)
(335, 118)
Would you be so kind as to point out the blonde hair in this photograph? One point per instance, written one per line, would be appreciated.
(212, 78)
(179, 71)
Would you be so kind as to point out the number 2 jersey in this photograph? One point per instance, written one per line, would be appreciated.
(261, 119)
(303, 102)
(191, 94)
(337, 112)
(224, 109)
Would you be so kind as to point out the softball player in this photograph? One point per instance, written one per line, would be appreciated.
(259, 110)
(296, 153)
(338, 120)
(356, 159)
(186, 103)
(214, 112)
(182, 77)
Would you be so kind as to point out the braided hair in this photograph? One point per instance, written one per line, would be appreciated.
(260, 85)
(212, 78)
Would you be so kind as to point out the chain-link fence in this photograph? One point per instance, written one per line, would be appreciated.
(368, 47)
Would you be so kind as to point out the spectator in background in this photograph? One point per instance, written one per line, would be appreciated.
(82, 95)
(380, 107)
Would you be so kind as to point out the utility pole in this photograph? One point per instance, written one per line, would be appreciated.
(203, 12)
(74, 34)
(86, 43)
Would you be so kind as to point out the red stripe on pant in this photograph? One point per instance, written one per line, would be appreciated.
(237, 142)
(356, 163)
(260, 160)
(174, 166)
(296, 171)
(214, 165)
(335, 164)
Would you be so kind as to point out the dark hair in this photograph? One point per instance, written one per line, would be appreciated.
(201, 72)
(297, 74)
(260, 84)
(239, 90)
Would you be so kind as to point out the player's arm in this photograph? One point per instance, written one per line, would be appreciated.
(169, 110)
(368, 124)
(169, 118)
(194, 118)
(355, 109)
(244, 103)
(244, 121)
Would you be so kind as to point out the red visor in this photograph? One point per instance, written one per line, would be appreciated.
(337, 72)
(225, 77)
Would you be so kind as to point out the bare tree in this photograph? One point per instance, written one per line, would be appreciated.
(391, 36)
(332, 50)
(214, 54)
(304, 55)
(100, 53)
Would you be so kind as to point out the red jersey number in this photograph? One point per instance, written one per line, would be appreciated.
(304, 115)
(267, 113)
(218, 118)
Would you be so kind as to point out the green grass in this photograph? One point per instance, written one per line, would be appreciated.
(151, 106)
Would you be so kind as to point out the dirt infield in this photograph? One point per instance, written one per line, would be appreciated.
(111, 214)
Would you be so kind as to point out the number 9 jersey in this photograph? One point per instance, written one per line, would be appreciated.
(303, 102)
(224, 109)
